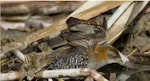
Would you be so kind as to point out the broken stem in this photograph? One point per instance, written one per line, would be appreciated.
(57, 73)
(135, 50)
(10, 76)
(145, 48)
(19, 54)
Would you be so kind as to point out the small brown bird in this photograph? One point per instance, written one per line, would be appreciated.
(87, 47)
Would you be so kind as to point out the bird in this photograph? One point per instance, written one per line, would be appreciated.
(86, 46)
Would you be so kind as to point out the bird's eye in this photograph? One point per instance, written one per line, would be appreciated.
(115, 56)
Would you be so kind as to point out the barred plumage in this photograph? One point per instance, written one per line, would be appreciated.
(73, 57)
(84, 49)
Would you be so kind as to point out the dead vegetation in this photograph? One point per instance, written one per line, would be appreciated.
(30, 31)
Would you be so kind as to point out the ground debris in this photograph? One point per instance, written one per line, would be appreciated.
(26, 27)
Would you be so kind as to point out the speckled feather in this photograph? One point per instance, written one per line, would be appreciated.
(84, 50)
(72, 57)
